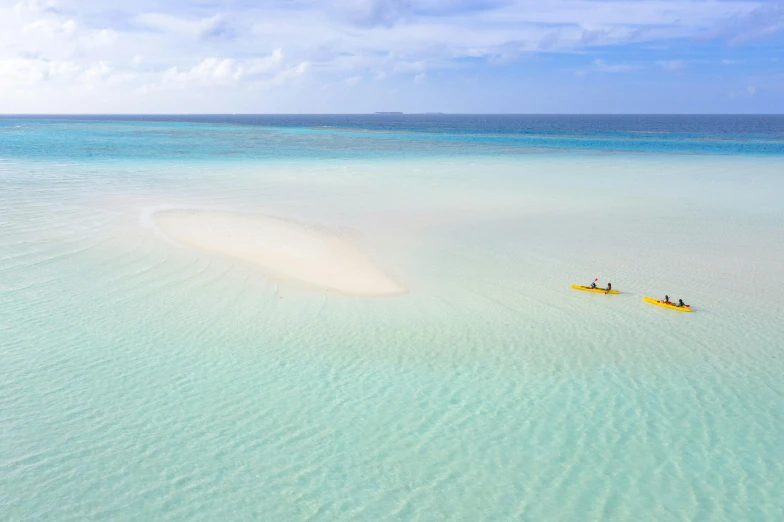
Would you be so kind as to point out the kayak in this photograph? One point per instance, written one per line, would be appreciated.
(657, 302)
(597, 289)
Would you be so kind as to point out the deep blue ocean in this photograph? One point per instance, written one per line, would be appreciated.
(394, 136)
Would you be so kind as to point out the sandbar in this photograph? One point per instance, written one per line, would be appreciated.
(282, 248)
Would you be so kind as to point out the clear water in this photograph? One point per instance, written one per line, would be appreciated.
(144, 381)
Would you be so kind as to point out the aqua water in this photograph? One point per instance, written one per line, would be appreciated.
(142, 380)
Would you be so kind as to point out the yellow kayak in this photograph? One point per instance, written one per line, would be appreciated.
(597, 289)
(671, 306)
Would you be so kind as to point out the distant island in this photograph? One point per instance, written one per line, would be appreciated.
(398, 113)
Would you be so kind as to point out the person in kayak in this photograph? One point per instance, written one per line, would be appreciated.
(593, 284)
(607, 290)
(680, 303)
(667, 299)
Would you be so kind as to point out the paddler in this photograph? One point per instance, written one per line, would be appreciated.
(593, 284)
(667, 299)
(680, 303)
(609, 287)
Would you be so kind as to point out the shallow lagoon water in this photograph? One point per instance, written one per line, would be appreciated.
(142, 380)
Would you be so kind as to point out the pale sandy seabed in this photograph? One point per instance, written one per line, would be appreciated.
(281, 248)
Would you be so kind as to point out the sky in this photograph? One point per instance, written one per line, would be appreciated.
(359, 56)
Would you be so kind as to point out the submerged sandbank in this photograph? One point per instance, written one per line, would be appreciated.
(281, 248)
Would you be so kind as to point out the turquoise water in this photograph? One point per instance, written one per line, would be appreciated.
(145, 381)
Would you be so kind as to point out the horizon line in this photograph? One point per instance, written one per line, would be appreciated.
(390, 113)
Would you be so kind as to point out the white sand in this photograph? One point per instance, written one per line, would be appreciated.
(281, 248)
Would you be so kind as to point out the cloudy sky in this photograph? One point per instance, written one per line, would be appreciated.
(340, 56)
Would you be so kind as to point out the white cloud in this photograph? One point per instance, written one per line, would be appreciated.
(102, 37)
(372, 13)
(210, 71)
(229, 71)
(290, 73)
(409, 67)
(37, 6)
(168, 25)
(97, 74)
(604, 67)
(20, 72)
(217, 27)
(749, 92)
(762, 20)
(263, 65)
(672, 65)
(354, 80)
(51, 27)
(24, 72)
(601, 66)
